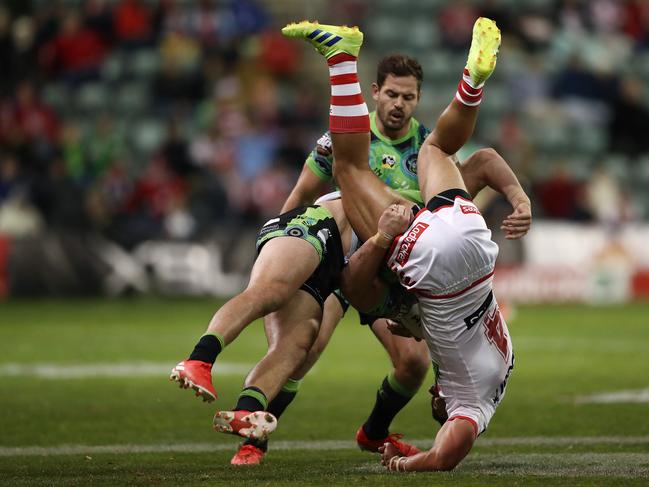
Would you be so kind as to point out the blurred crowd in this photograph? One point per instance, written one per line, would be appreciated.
(574, 112)
(147, 119)
(143, 120)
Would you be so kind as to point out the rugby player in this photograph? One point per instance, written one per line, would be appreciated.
(446, 256)
(301, 256)
(396, 137)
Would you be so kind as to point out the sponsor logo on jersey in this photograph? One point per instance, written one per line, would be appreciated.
(410, 164)
(474, 317)
(388, 160)
(406, 245)
(295, 232)
(271, 221)
(466, 209)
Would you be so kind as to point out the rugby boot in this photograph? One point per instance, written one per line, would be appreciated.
(254, 425)
(196, 375)
(328, 40)
(364, 443)
(484, 50)
(248, 454)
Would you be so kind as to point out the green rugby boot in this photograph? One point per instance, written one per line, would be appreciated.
(328, 40)
(484, 50)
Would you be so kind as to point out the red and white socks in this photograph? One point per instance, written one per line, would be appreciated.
(468, 93)
(348, 112)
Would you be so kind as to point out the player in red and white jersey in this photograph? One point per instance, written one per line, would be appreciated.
(447, 258)
(450, 257)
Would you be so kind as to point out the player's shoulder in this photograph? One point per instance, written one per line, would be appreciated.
(419, 128)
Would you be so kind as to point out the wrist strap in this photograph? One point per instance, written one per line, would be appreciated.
(383, 240)
(397, 464)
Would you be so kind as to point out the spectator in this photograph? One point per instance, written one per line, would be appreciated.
(76, 52)
(629, 120)
(103, 146)
(456, 24)
(605, 198)
(132, 23)
(559, 196)
(9, 177)
(29, 127)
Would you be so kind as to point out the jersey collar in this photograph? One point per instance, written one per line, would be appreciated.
(411, 131)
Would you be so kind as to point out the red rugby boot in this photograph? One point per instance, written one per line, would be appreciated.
(255, 425)
(196, 375)
(248, 454)
(364, 443)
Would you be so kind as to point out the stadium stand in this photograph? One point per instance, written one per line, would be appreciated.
(142, 120)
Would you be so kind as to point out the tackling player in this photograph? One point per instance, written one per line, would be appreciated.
(446, 256)
(396, 137)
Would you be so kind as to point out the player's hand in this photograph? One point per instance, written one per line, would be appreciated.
(394, 220)
(519, 222)
(398, 329)
(388, 451)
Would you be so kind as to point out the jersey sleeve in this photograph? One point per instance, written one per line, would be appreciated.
(319, 164)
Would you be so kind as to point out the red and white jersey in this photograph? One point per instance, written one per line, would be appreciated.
(447, 259)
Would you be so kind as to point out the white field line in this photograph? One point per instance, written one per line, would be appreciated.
(118, 369)
(636, 396)
(34, 451)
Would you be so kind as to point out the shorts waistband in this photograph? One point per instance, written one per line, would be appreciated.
(447, 197)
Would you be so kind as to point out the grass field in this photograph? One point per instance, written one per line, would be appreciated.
(85, 400)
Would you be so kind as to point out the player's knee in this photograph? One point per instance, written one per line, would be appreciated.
(316, 350)
(412, 365)
(270, 297)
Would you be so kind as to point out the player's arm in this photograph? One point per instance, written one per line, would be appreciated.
(360, 282)
(306, 190)
(317, 171)
(487, 168)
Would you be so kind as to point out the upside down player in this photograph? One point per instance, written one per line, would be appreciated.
(396, 137)
(446, 257)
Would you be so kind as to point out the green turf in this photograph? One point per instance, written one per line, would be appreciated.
(562, 352)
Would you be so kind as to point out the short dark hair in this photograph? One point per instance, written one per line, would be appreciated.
(399, 65)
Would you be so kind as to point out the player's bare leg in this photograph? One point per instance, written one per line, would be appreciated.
(364, 195)
(455, 125)
(435, 169)
(333, 313)
(296, 325)
(410, 360)
(349, 125)
(272, 284)
(252, 451)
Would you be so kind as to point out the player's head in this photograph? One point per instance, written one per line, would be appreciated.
(396, 90)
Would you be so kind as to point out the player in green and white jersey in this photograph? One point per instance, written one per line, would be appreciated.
(396, 137)
(394, 161)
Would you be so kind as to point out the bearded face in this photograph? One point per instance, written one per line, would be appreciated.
(396, 101)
